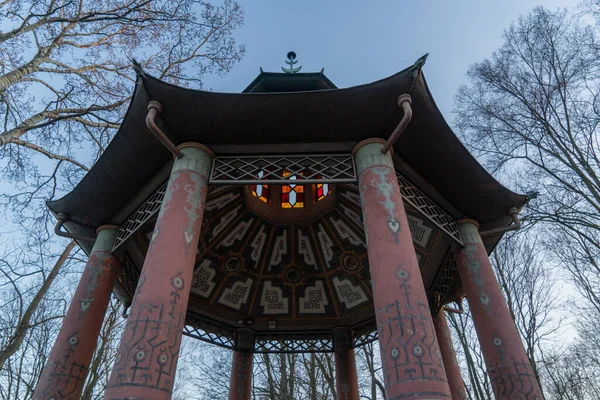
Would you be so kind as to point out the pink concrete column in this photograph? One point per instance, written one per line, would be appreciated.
(147, 357)
(455, 381)
(411, 358)
(240, 383)
(346, 379)
(67, 366)
(508, 366)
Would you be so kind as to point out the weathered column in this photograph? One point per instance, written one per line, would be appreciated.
(412, 364)
(67, 366)
(147, 357)
(240, 383)
(346, 380)
(507, 364)
(455, 381)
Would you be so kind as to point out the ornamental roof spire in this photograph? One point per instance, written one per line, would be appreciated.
(291, 61)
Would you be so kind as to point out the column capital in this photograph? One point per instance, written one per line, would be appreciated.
(467, 221)
(202, 147)
(107, 226)
(368, 154)
(469, 231)
(197, 157)
(368, 141)
(244, 340)
(105, 238)
(342, 338)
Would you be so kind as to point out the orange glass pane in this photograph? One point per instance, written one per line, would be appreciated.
(261, 191)
(292, 195)
(321, 190)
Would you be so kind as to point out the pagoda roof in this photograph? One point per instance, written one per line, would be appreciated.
(277, 82)
(329, 119)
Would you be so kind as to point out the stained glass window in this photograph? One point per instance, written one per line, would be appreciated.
(321, 190)
(261, 191)
(292, 195)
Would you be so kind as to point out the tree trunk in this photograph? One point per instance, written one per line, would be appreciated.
(270, 382)
(283, 383)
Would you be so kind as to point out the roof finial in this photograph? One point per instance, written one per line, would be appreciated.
(137, 67)
(418, 65)
(291, 61)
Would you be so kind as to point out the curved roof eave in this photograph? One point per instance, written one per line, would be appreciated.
(346, 115)
(430, 147)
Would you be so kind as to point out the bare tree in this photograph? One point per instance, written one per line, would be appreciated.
(572, 375)
(532, 112)
(21, 371)
(15, 330)
(526, 281)
(105, 353)
(66, 76)
(203, 371)
(276, 376)
(468, 351)
(65, 80)
(369, 361)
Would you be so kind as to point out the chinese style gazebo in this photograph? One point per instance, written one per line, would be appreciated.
(292, 217)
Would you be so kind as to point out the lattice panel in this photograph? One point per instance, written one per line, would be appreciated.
(364, 334)
(328, 168)
(446, 276)
(298, 344)
(313, 168)
(208, 331)
(416, 198)
(140, 216)
(128, 275)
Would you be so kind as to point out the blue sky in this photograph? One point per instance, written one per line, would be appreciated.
(362, 41)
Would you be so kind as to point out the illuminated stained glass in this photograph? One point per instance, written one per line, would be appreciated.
(321, 190)
(261, 191)
(292, 195)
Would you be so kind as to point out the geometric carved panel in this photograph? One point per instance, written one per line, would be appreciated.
(250, 269)
(288, 278)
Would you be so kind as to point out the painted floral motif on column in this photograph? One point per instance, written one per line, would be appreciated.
(385, 189)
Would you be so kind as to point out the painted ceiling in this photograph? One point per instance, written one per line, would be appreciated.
(301, 277)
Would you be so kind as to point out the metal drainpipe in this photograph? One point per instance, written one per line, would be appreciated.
(126, 306)
(514, 214)
(154, 107)
(61, 219)
(404, 101)
(459, 310)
